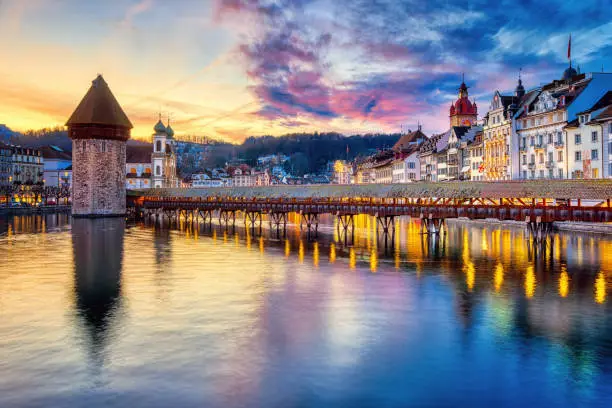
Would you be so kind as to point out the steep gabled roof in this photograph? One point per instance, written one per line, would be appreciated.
(99, 107)
(408, 139)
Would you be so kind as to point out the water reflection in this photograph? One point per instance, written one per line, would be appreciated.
(98, 257)
(255, 320)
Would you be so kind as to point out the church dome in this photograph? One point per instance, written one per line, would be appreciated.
(169, 131)
(569, 73)
(159, 127)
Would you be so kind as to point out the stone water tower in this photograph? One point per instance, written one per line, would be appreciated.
(99, 130)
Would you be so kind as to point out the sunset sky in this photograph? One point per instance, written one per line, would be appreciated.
(236, 68)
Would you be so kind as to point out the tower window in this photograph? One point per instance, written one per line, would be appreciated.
(158, 170)
(158, 146)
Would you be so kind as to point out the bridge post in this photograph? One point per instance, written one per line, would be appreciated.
(310, 219)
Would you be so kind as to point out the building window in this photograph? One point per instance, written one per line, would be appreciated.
(158, 146)
(532, 141)
(541, 173)
(525, 174)
(560, 173)
(559, 137)
(103, 146)
(594, 136)
(524, 159)
(84, 146)
(532, 159)
(594, 154)
(560, 156)
(578, 156)
(550, 156)
(158, 170)
(577, 139)
(550, 138)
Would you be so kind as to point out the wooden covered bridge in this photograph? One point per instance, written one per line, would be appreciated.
(537, 203)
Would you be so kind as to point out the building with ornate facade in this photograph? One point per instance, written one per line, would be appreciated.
(545, 142)
(497, 140)
(164, 157)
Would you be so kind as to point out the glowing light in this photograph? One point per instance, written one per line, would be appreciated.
(315, 254)
(287, 248)
(470, 274)
(564, 283)
(530, 282)
(225, 237)
(261, 245)
(499, 277)
(301, 252)
(352, 258)
(332, 253)
(484, 244)
(214, 236)
(373, 260)
(600, 288)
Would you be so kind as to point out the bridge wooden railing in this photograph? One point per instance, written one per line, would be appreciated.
(518, 209)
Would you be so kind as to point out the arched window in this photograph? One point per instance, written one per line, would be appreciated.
(158, 170)
(84, 145)
(103, 146)
(158, 146)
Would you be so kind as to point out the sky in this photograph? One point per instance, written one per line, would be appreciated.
(230, 69)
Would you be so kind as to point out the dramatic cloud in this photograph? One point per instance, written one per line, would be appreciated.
(234, 68)
(393, 61)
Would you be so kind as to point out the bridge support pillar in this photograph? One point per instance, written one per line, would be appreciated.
(276, 219)
(346, 223)
(538, 229)
(252, 218)
(433, 225)
(205, 215)
(225, 216)
(387, 222)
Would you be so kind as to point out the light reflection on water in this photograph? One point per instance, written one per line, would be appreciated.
(97, 313)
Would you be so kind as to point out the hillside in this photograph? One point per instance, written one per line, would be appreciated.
(309, 152)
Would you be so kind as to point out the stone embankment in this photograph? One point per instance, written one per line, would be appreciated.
(48, 209)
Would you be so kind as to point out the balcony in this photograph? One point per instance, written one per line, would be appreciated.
(539, 146)
(531, 166)
(550, 164)
(559, 144)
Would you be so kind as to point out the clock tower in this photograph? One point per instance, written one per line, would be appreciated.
(463, 112)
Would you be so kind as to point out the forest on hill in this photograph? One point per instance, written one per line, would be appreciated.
(309, 152)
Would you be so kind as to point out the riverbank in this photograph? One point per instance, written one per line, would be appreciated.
(48, 209)
(589, 227)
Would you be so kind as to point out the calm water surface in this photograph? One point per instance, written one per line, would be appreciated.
(97, 313)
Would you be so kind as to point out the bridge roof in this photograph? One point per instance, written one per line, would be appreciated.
(567, 189)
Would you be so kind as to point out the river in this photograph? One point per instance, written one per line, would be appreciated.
(107, 313)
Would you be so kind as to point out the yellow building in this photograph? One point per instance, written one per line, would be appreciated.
(497, 133)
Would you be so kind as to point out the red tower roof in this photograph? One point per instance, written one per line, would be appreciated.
(99, 107)
(463, 106)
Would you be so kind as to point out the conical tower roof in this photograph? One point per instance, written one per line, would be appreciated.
(99, 107)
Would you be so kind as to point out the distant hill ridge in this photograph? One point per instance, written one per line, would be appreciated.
(311, 151)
